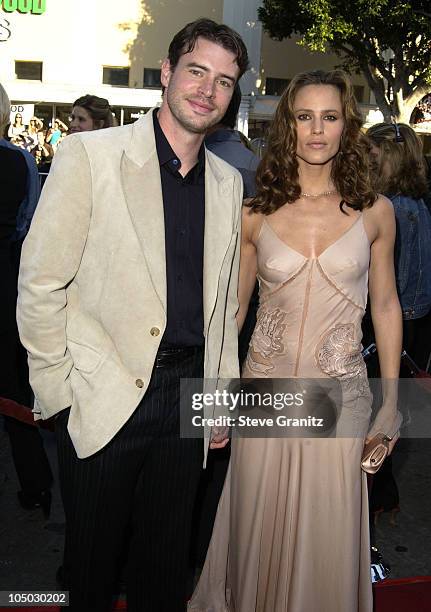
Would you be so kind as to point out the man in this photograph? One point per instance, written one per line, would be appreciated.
(29, 203)
(226, 142)
(229, 144)
(128, 283)
(19, 192)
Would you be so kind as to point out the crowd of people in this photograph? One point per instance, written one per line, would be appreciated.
(88, 113)
(35, 138)
(150, 247)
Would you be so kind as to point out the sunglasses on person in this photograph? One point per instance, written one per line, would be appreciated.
(398, 136)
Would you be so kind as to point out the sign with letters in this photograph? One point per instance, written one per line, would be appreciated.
(5, 31)
(35, 7)
(25, 110)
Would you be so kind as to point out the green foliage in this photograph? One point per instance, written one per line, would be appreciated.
(384, 39)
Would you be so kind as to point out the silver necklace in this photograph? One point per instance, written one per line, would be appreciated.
(317, 195)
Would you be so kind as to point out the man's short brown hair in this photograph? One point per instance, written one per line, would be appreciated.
(185, 40)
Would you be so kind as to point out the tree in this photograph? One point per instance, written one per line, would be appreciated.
(388, 41)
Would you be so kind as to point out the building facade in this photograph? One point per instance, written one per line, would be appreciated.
(54, 51)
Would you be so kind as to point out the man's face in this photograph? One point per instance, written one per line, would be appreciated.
(199, 89)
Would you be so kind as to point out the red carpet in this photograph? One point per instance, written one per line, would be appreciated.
(403, 595)
(23, 413)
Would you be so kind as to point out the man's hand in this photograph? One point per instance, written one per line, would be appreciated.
(219, 437)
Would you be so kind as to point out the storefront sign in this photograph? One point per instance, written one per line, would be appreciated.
(5, 32)
(25, 110)
(36, 7)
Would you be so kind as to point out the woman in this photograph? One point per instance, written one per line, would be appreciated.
(317, 236)
(90, 113)
(399, 171)
(30, 134)
(17, 128)
(55, 133)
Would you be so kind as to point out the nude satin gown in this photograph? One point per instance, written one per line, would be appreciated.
(291, 533)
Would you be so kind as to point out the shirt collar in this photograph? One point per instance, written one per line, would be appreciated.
(167, 155)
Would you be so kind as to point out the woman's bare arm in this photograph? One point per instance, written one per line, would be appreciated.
(386, 313)
(248, 262)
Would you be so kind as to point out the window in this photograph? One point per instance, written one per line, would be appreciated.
(31, 71)
(152, 77)
(116, 76)
(275, 87)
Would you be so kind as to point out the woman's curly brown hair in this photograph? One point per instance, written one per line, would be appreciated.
(277, 177)
(399, 164)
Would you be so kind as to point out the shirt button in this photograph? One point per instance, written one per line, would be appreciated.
(175, 162)
(182, 232)
(154, 331)
(179, 278)
(139, 383)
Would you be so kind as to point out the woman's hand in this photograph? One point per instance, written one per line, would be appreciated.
(388, 421)
(386, 315)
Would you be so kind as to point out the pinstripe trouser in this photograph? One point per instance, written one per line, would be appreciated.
(140, 490)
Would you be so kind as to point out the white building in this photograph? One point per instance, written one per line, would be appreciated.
(54, 51)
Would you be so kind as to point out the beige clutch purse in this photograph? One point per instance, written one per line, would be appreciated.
(376, 451)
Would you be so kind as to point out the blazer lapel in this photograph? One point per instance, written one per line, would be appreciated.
(140, 172)
(218, 232)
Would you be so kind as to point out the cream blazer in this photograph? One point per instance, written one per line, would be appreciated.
(92, 284)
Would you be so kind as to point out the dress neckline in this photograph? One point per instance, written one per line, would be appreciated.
(343, 235)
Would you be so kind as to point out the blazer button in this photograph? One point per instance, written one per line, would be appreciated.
(139, 383)
(154, 331)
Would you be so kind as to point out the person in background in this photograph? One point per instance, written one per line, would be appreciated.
(400, 172)
(30, 134)
(232, 146)
(228, 143)
(42, 151)
(19, 190)
(54, 134)
(32, 186)
(17, 127)
(90, 113)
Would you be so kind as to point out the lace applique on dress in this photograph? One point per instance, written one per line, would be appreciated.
(338, 353)
(267, 340)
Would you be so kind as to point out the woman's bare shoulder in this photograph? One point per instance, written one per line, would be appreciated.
(381, 210)
(380, 218)
(251, 221)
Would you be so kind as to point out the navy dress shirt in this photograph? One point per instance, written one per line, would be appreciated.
(184, 214)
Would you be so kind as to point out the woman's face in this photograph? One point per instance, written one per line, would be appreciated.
(18, 119)
(377, 158)
(319, 123)
(80, 120)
